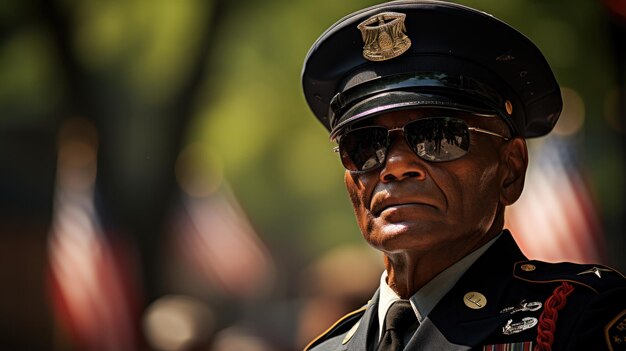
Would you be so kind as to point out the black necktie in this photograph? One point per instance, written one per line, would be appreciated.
(399, 318)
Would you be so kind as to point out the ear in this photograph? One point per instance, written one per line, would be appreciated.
(514, 161)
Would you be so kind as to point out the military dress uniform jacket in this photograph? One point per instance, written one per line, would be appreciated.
(506, 302)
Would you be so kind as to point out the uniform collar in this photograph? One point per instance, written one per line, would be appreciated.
(490, 276)
(425, 299)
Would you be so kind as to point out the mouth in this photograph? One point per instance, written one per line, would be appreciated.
(379, 208)
(404, 198)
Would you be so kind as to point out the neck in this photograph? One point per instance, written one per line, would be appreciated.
(409, 270)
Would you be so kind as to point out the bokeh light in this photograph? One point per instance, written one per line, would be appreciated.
(209, 191)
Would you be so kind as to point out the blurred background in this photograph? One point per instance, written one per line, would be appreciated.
(163, 185)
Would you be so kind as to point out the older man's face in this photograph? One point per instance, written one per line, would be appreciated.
(413, 204)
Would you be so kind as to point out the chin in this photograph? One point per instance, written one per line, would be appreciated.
(402, 236)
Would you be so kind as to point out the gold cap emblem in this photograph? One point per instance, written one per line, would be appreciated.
(384, 36)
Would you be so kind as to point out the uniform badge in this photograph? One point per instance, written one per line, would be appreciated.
(384, 36)
(615, 332)
(523, 307)
(518, 327)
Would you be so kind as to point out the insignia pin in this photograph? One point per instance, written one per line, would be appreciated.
(595, 270)
(518, 327)
(475, 300)
(384, 36)
(523, 306)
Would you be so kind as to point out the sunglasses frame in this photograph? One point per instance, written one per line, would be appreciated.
(389, 131)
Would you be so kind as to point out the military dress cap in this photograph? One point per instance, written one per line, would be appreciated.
(428, 53)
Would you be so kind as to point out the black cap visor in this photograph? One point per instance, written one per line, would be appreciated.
(402, 100)
(415, 90)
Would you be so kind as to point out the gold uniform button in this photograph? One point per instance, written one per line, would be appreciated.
(528, 267)
(509, 107)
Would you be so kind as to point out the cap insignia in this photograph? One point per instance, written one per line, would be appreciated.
(384, 36)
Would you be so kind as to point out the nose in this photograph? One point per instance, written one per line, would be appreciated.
(402, 162)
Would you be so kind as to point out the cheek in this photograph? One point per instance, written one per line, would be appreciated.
(483, 181)
(359, 193)
(359, 190)
(352, 186)
(474, 191)
(485, 196)
(488, 180)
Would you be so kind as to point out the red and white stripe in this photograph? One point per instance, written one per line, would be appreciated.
(555, 218)
(89, 289)
(215, 238)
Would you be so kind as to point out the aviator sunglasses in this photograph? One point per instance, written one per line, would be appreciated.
(434, 139)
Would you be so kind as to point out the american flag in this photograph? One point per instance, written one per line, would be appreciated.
(556, 219)
(214, 238)
(88, 284)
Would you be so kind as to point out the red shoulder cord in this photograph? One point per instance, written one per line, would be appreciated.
(547, 320)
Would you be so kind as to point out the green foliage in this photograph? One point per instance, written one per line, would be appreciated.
(249, 106)
(276, 154)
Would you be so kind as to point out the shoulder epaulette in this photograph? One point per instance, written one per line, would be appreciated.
(598, 278)
(341, 326)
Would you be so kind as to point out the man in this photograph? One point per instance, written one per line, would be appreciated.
(430, 104)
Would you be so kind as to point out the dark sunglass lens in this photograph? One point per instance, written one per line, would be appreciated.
(363, 149)
(438, 139)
